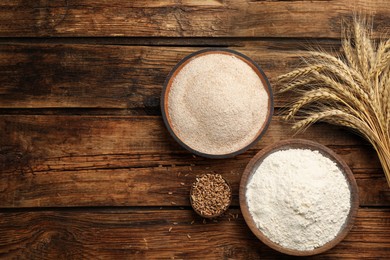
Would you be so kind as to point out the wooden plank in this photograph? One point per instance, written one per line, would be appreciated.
(129, 78)
(129, 234)
(248, 18)
(61, 161)
(142, 41)
(148, 186)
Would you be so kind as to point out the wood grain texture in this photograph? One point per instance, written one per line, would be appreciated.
(115, 77)
(60, 161)
(144, 234)
(87, 168)
(248, 18)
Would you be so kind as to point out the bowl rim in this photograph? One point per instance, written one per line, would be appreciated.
(176, 69)
(303, 144)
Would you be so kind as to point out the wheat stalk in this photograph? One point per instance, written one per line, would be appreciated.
(352, 90)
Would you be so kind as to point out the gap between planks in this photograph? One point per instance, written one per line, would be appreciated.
(164, 41)
(98, 209)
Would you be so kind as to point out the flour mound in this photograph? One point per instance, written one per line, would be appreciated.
(217, 104)
(298, 198)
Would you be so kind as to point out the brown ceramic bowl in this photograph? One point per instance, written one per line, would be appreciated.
(211, 216)
(176, 70)
(303, 144)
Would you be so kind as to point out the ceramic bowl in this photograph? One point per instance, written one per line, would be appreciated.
(176, 70)
(298, 144)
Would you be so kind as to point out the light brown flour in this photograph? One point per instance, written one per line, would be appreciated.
(217, 104)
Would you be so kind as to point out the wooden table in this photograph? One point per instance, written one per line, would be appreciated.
(87, 168)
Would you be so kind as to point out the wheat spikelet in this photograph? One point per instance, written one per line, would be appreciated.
(340, 89)
(380, 51)
(368, 46)
(351, 91)
(322, 94)
(360, 49)
(340, 122)
(350, 54)
(337, 66)
(384, 93)
(346, 76)
(386, 107)
(382, 63)
(383, 47)
(387, 45)
(314, 117)
(295, 84)
(299, 72)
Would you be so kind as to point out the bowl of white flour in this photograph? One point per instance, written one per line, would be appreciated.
(298, 197)
(217, 103)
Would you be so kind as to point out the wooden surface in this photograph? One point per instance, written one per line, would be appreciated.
(87, 168)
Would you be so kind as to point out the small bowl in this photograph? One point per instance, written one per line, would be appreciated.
(176, 70)
(215, 215)
(302, 144)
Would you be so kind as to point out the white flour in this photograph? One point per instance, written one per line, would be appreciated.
(298, 198)
(217, 104)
